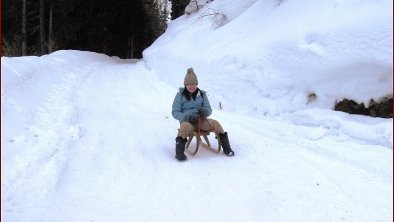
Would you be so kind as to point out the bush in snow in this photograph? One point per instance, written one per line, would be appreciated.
(195, 5)
(382, 108)
(218, 19)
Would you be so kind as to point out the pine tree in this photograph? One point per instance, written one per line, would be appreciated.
(178, 8)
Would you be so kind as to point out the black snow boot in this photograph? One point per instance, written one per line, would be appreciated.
(180, 148)
(226, 144)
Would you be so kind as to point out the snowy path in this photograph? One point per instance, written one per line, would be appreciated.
(111, 158)
(90, 138)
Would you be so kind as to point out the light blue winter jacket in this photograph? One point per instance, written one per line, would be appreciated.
(182, 109)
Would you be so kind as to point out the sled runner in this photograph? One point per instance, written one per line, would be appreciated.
(206, 145)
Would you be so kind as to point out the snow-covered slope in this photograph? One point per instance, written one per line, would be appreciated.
(92, 139)
(87, 137)
(287, 49)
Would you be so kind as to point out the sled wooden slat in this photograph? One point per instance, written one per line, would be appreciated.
(208, 146)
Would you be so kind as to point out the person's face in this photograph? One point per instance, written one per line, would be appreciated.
(191, 88)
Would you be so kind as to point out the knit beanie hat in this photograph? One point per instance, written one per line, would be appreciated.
(190, 77)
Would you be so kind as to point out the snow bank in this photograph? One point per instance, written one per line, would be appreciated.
(288, 51)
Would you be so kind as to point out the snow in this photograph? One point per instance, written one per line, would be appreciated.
(87, 137)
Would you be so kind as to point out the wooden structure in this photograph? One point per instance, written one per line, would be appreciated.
(208, 146)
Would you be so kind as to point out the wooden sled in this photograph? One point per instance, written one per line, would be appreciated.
(206, 145)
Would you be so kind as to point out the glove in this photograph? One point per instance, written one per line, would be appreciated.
(193, 119)
(203, 113)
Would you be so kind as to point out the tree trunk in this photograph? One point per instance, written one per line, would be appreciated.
(130, 47)
(42, 28)
(50, 34)
(24, 23)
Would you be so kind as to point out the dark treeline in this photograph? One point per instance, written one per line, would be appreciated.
(121, 28)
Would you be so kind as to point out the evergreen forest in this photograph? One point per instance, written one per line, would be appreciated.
(122, 28)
